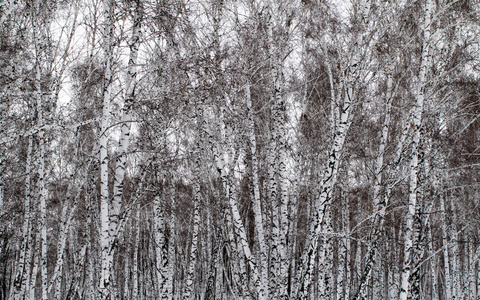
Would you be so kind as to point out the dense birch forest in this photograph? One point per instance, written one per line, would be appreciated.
(239, 149)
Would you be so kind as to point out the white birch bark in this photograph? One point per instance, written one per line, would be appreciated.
(343, 120)
(454, 253)
(240, 231)
(136, 238)
(171, 243)
(417, 124)
(30, 288)
(347, 243)
(469, 287)
(90, 233)
(394, 273)
(433, 265)
(277, 168)
(30, 279)
(357, 263)
(342, 253)
(448, 284)
(321, 204)
(326, 257)
(105, 288)
(212, 277)
(263, 258)
(233, 254)
(19, 282)
(56, 278)
(126, 119)
(126, 269)
(40, 48)
(189, 279)
(160, 247)
(474, 258)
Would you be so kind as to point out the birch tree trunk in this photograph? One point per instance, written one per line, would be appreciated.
(433, 269)
(30, 288)
(136, 244)
(322, 203)
(278, 176)
(448, 284)
(469, 287)
(105, 288)
(40, 49)
(257, 205)
(189, 278)
(454, 252)
(417, 124)
(126, 119)
(171, 243)
(20, 276)
(160, 248)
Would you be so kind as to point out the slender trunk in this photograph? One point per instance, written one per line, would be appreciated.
(160, 247)
(106, 255)
(469, 287)
(212, 276)
(257, 206)
(433, 265)
(417, 124)
(40, 48)
(30, 290)
(241, 235)
(20, 279)
(326, 257)
(90, 233)
(127, 273)
(136, 239)
(378, 285)
(346, 228)
(126, 119)
(277, 168)
(171, 243)
(64, 230)
(280, 168)
(474, 257)
(190, 276)
(392, 279)
(233, 255)
(341, 262)
(448, 284)
(357, 264)
(323, 202)
(454, 252)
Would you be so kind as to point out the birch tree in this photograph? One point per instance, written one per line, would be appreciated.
(417, 123)
(105, 288)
